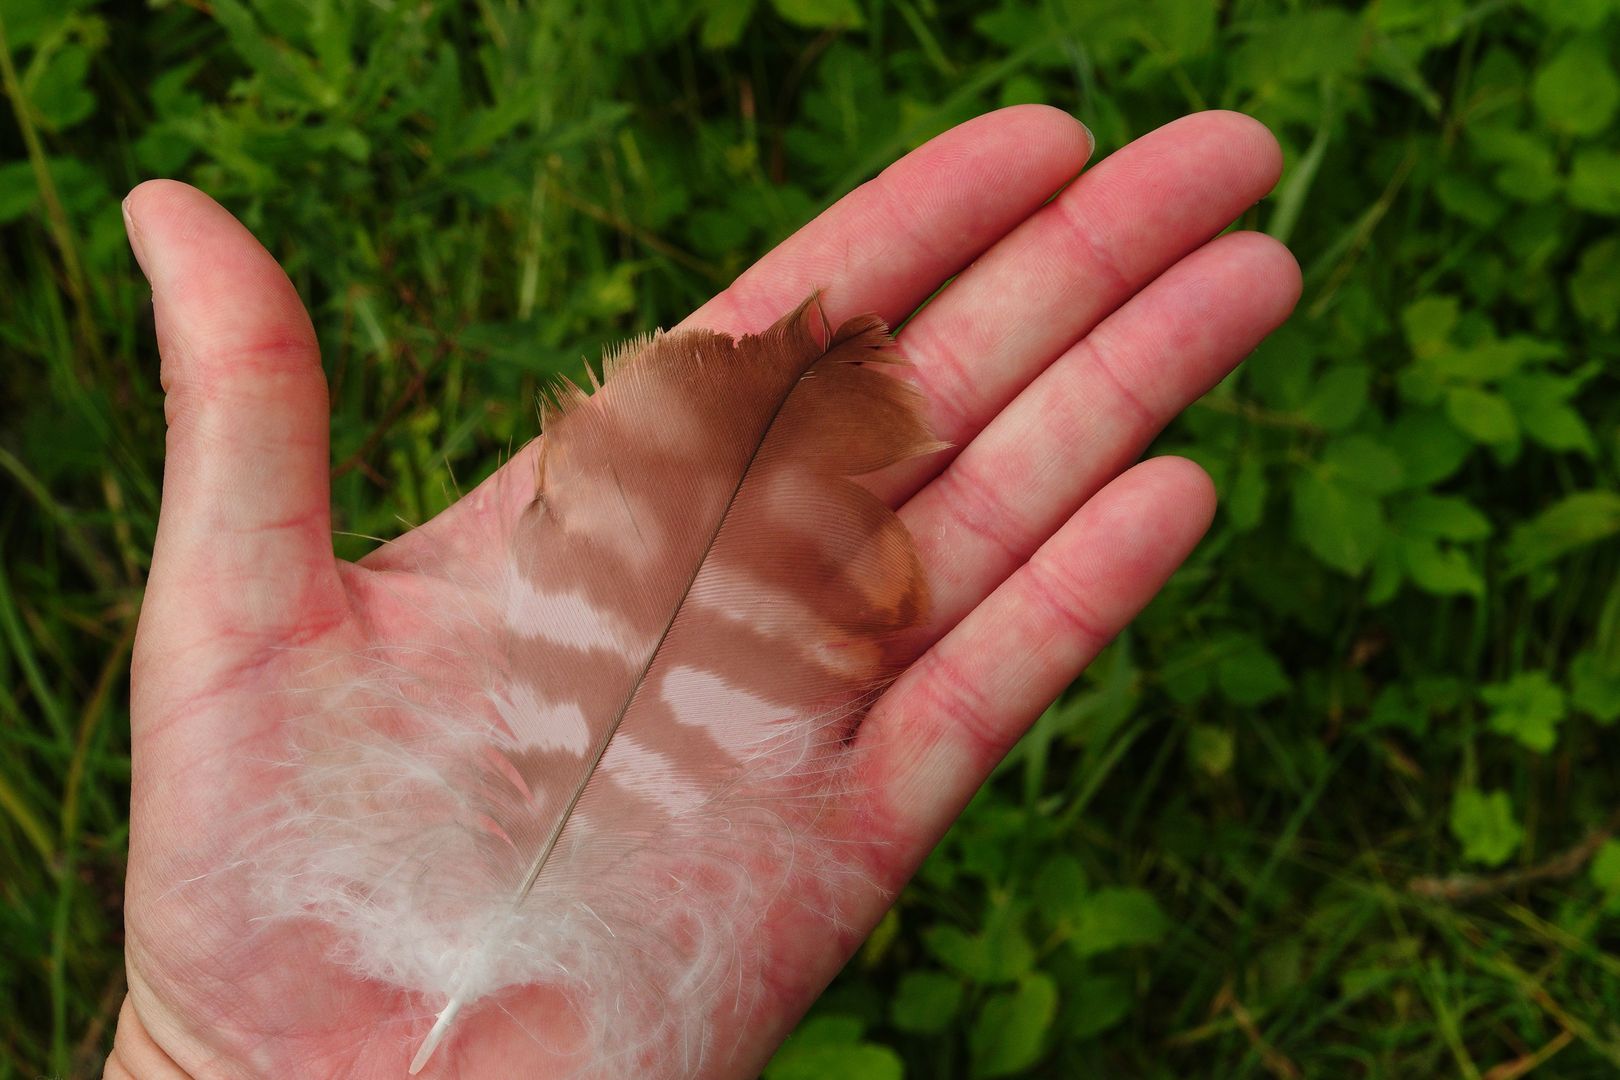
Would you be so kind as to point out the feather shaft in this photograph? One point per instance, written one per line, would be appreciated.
(435, 1035)
(635, 687)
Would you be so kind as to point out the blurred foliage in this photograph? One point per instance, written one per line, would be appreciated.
(1396, 657)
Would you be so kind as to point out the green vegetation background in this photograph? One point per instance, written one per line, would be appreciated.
(1237, 847)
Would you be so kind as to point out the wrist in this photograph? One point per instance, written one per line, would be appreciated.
(136, 1055)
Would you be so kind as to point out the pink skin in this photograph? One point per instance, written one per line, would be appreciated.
(1075, 331)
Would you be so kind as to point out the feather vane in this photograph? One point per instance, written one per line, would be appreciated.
(690, 616)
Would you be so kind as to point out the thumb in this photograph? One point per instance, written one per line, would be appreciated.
(244, 534)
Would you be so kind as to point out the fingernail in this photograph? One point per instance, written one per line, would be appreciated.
(134, 233)
(1091, 140)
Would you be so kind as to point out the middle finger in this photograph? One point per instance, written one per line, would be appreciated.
(1059, 274)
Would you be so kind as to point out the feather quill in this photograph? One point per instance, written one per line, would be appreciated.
(627, 757)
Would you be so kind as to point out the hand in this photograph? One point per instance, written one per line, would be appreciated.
(1075, 331)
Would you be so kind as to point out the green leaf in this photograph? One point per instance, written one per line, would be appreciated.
(59, 92)
(821, 14)
(1485, 826)
(1429, 446)
(1118, 918)
(1388, 571)
(1443, 517)
(1489, 360)
(1439, 21)
(1482, 415)
(1023, 90)
(1605, 874)
(1341, 526)
(1280, 373)
(288, 75)
(612, 292)
(1184, 28)
(1396, 707)
(956, 949)
(1302, 47)
(724, 22)
(27, 21)
(1594, 687)
(1095, 1004)
(1577, 90)
(1574, 14)
(1541, 402)
(925, 1002)
(1012, 26)
(1528, 707)
(830, 1030)
(1428, 322)
(1059, 885)
(1441, 571)
(1364, 462)
(832, 1046)
(1211, 749)
(1000, 954)
(1470, 199)
(1009, 1033)
(1571, 523)
(1527, 167)
(1606, 867)
(1250, 675)
(1594, 288)
(1006, 945)
(1188, 671)
(1337, 398)
(18, 192)
(881, 939)
(1594, 181)
(1245, 503)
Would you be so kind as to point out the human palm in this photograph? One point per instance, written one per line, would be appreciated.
(1074, 330)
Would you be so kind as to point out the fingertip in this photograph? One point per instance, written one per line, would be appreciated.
(1188, 487)
(1050, 126)
(218, 292)
(133, 207)
(1255, 139)
(1162, 508)
(1277, 280)
(1018, 152)
(1289, 277)
(155, 206)
(1243, 138)
(1139, 528)
(147, 193)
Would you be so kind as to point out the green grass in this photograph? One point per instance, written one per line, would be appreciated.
(1396, 659)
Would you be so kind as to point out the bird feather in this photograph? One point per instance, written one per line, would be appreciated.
(651, 709)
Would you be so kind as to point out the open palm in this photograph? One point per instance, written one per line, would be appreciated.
(1075, 329)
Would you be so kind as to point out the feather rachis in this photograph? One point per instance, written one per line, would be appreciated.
(649, 713)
